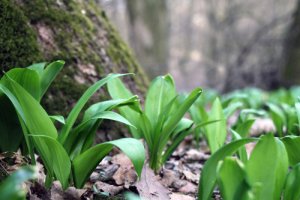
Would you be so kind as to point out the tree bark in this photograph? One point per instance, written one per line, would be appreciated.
(77, 32)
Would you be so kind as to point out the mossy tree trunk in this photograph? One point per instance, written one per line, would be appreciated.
(76, 31)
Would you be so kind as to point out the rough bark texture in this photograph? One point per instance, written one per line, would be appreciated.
(76, 31)
(292, 51)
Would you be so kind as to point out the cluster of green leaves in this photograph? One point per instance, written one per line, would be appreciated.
(271, 171)
(70, 155)
(162, 123)
(265, 175)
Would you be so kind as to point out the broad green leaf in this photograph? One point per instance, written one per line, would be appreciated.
(109, 105)
(49, 74)
(107, 115)
(38, 67)
(86, 130)
(231, 179)
(58, 118)
(145, 126)
(242, 153)
(292, 189)
(243, 128)
(216, 132)
(11, 187)
(182, 130)
(247, 113)
(291, 118)
(278, 117)
(231, 108)
(209, 172)
(80, 104)
(160, 93)
(182, 125)
(297, 106)
(117, 90)
(268, 152)
(292, 146)
(34, 116)
(27, 78)
(11, 132)
(54, 157)
(84, 164)
(175, 117)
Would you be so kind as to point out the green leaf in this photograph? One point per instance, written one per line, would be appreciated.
(242, 153)
(216, 133)
(27, 78)
(297, 106)
(84, 164)
(34, 116)
(117, 90)
(175, 117)
(11, 132)
(231, 108)
(268, 152)
(54, 157)
(247, 113)
(109, 105)
(58, 118)
(82, 137)
(231, 179)
(11, 187)
(80, 104)
(278, 117)
(209, 171)
(292, 189)
(160, 93)
(49, 74)
(243, 128)
(292, 145)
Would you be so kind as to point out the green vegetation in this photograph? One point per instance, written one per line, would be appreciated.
(161, 123)
(270, 171)
(70, 155)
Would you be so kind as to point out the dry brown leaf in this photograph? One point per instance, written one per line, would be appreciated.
(125, 175)
(111, 189)
(188, 188)
(149, 186)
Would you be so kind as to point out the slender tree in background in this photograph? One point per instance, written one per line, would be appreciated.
(148, 34)
(291, 67)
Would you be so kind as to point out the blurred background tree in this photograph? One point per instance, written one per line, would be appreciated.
(223, 44)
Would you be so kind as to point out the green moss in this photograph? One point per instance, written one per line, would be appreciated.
(76, 28)
(18, 44)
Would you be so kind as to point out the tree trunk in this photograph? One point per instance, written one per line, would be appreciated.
(148, 34)
(77, 32)
(291, 67)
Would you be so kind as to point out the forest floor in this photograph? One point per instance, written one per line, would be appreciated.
(177, 180)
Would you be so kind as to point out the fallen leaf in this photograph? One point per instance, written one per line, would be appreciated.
(111, 189)
(149, 186)
(125, 175)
